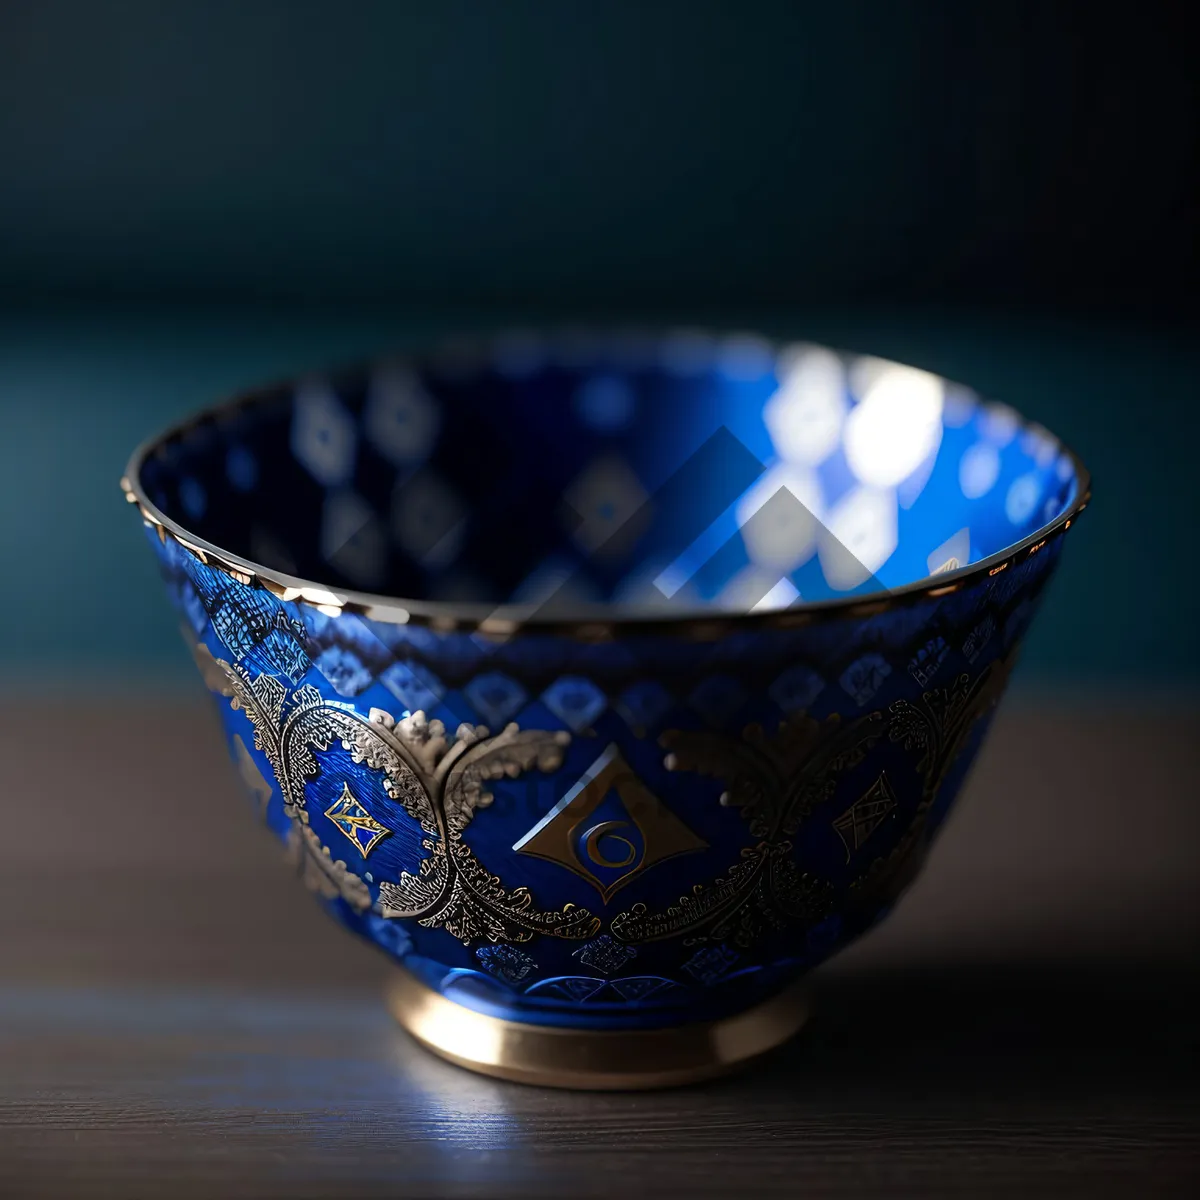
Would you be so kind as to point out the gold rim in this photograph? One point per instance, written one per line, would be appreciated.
(502, 621)
(593, 1060)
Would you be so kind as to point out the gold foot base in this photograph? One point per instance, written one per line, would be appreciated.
(593, 1059)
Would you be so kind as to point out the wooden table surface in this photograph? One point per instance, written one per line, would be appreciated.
(178, 1019)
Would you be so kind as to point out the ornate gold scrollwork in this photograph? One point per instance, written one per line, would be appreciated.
(937, 726)
(775, 781)
(440, 782)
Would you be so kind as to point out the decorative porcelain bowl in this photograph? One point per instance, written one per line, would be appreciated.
(609, 684)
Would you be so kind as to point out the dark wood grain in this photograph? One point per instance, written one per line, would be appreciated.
(177, 1018)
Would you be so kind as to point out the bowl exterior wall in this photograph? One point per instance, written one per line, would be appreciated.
(621, 834)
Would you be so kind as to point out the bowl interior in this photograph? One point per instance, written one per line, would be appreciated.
(676, 473)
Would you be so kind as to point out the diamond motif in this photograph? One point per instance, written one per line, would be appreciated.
(609, 828)
(607, 504)
(344, 670)
(925, 662)
(505, 962)
(643, 705)
(355, 822)
(638, 987)
(575, 701)
(575, 987)
(251, 623)
(979, 637)
(864, 677)
(400, 419)
(415, 686)
(796, 689)
(322, 436)
(495, 697)
(604, 955)
(709, 963)
(866, 814)
(345, 632)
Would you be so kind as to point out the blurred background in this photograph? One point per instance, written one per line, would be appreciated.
(197, 195)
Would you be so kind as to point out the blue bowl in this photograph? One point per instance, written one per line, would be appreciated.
(607, 683)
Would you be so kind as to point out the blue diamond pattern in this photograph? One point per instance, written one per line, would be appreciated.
(604, 955)
(415, 686)
(979, 637)
(251, 623)
(864, 677)
(639, 987)
(644, 704)
(579, 988)
(323, 436)
(348, 631)
(925, 662)
(495, 697)
(344, 670)
(796, 689)
(575, 701)
(709, 963)
(505, 962)
(342, 435)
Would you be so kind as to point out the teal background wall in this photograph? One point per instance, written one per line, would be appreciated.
(199, 195)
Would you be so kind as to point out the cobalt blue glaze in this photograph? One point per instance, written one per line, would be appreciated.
(691, 803)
